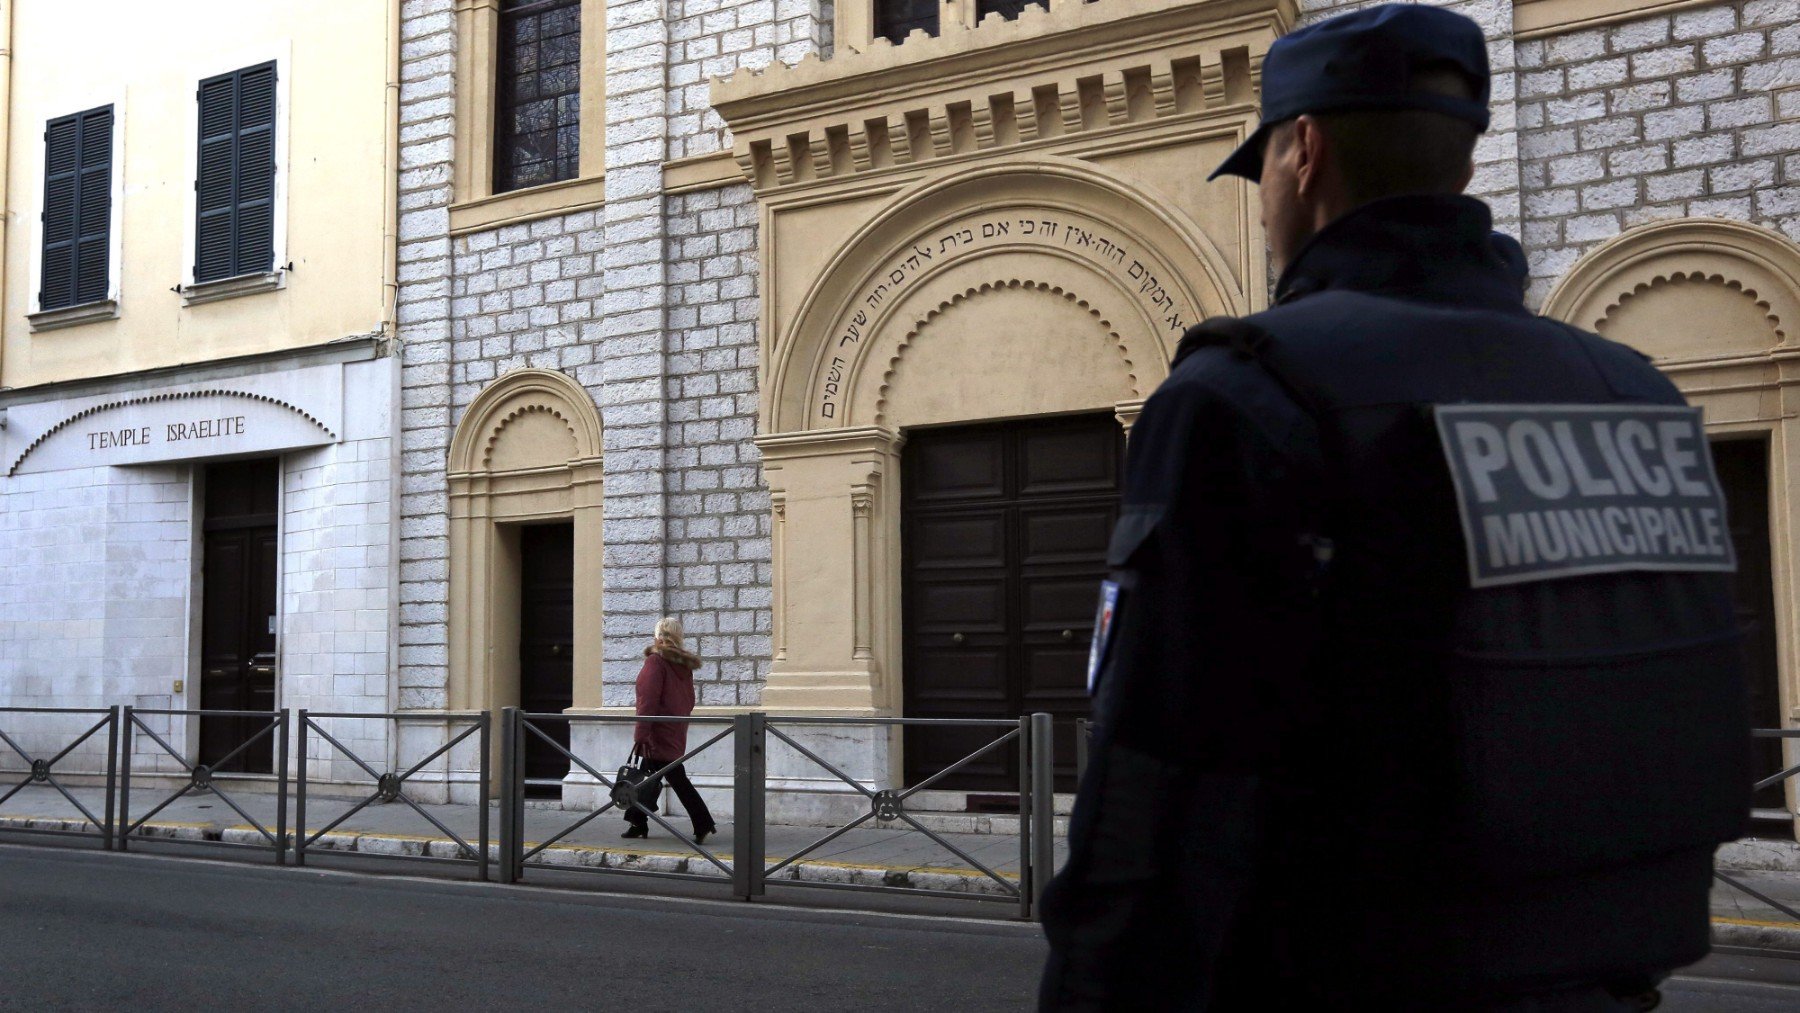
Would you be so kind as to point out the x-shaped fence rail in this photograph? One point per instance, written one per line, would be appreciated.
(41, 770)
(390, 785)
(202, 777)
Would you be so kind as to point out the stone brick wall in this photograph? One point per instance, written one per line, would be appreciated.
(714, 38)
(1674, 116)
(718, 533)
(94, 571)
(427, 131)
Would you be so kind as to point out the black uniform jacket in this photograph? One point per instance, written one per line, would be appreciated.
(1325, 767)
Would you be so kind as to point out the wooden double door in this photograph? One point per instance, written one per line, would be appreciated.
(1743, 468)
(1005, 528)
(238, 567)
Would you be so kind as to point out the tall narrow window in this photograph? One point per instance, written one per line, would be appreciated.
(77, 208)
(537, 115)
(896, 19)
(235, 232)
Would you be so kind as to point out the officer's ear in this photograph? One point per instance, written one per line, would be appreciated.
(1311, 156)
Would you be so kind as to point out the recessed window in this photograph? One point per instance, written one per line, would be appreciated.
(896, 19)
(235, 191)
(1008, 9)
(537, 115)
(77, 251)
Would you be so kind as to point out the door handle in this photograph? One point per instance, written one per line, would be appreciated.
(957, 638)
(1068, 635)
(555, 648)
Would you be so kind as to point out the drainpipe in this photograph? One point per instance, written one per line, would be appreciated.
(6, 26)
(390, 198)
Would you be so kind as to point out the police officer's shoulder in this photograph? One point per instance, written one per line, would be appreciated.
(1219, 364)
(1629, 372)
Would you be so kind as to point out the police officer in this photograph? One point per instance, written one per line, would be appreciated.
(1420, 686)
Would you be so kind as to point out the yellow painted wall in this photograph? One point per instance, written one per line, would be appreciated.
(148, 59)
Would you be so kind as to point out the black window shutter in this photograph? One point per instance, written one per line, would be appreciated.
(77, 208)
(235, 191)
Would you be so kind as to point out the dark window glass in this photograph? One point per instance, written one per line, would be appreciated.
(537, 119)
(1008, 9)
(895, 19)
(77, 208)
(235, 191)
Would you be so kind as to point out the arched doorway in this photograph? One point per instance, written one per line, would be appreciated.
(1714, 302)
(942, 424)
(525, 552)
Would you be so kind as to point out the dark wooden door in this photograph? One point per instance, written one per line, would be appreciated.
(1005, 528)
(237, 624)
(1743, 467)
(546, 647)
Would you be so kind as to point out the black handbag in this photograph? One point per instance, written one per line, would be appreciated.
(630, 783)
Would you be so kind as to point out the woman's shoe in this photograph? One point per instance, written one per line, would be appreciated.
(700, 836)
(637, 832)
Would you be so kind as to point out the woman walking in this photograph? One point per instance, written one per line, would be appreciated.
(665, 687)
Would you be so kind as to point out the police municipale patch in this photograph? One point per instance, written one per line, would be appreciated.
(1551, 491)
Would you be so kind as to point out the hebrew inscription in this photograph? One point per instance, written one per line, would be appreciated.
(1135, 269)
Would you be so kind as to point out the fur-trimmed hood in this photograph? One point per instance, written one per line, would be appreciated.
(674, 655)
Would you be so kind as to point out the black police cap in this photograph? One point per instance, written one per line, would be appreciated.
(1366, 60)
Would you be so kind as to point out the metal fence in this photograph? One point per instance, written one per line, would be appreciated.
(389, 786)
(1767, 782)
(40, 769)
(269, 728)
(517, 854)
(1029, 736)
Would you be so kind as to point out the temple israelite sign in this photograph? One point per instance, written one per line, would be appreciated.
(247, 415)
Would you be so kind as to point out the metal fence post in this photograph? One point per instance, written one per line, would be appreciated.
(1026, 873)
(111, 829)
(481, 796)
(300, 792)
(1084, 729)
(283, 737)
(1043, 808)
(749, 783)
(509, 833)
(124, 835)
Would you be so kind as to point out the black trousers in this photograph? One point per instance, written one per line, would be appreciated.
(684, 790)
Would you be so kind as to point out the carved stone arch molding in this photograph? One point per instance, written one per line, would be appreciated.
(527, 450)
(1041, 287)
(1695, 294)
(1049, 222)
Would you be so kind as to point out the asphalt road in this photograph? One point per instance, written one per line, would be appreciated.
(85, 930)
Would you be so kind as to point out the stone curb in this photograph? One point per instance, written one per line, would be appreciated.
(1783, 936)
(562, 856)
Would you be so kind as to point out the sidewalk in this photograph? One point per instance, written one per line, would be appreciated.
(892, 854)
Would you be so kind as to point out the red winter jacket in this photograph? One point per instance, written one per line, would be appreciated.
(665, 686)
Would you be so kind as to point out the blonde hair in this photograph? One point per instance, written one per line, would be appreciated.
(668, 631)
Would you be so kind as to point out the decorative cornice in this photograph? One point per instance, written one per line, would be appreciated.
(1074, 69)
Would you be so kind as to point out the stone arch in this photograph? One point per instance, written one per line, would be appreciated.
(1050, 221)
(520, 395)
(1036, 288)
(1042, 394)
(527, 450)
(1689, 292)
